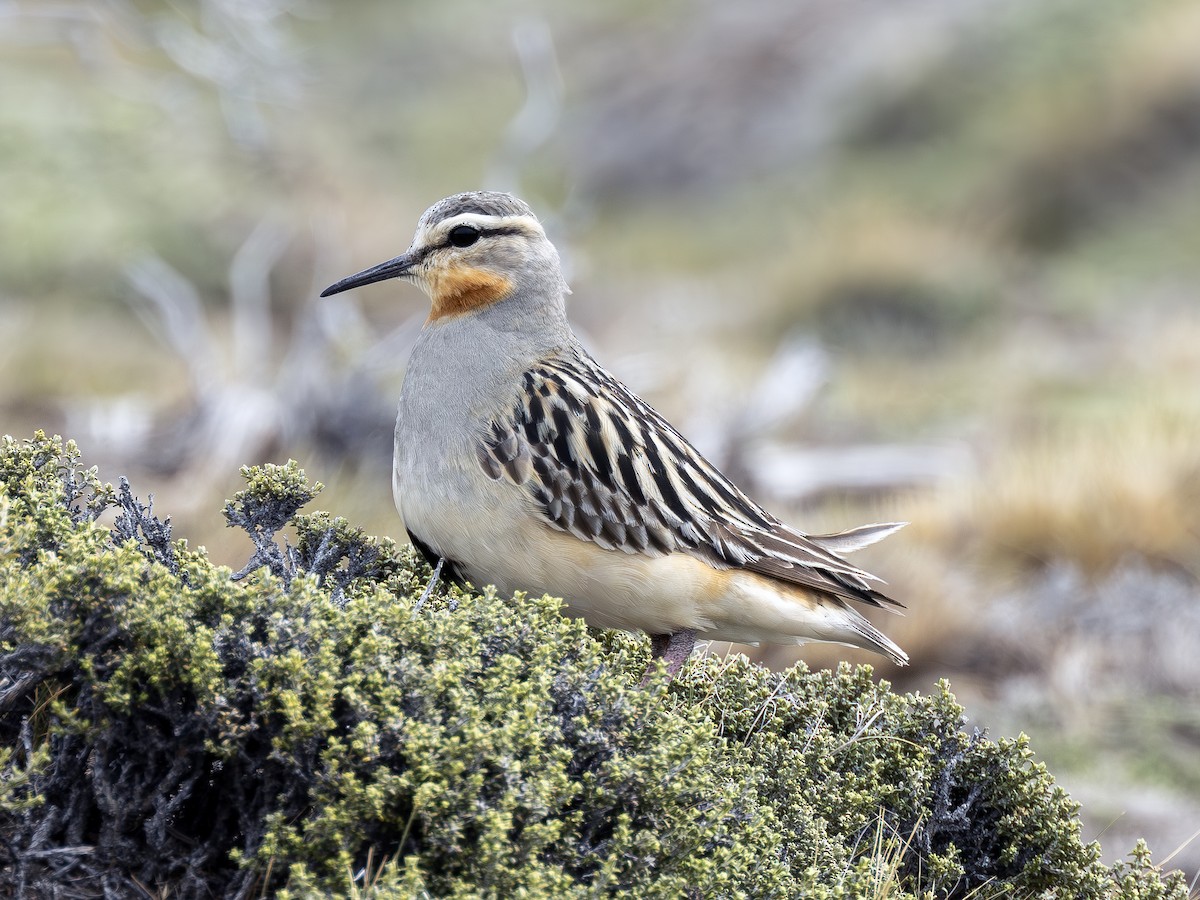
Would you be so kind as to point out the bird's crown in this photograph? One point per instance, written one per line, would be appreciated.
(481, 203)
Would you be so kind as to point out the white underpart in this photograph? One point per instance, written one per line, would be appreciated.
(506, 547)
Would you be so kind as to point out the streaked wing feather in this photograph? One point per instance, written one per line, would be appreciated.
(602, 465)
(856, 538)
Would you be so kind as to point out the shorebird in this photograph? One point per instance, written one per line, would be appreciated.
(523, 463)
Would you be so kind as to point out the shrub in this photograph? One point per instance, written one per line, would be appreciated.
(306, 727)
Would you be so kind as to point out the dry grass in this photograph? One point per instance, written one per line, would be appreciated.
(1092, 495)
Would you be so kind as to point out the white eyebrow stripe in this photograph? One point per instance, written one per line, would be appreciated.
(527, 224)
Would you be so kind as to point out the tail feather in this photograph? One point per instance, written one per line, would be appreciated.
(875, 640)
(882, 643)
(855, 538)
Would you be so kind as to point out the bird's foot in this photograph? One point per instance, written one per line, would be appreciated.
(673, 649)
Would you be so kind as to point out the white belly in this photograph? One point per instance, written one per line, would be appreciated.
(495, 538)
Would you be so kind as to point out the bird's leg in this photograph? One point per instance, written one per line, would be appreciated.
(678, 648)
(433, 583)
(673, 649)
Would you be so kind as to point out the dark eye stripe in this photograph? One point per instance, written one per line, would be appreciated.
(483, 232)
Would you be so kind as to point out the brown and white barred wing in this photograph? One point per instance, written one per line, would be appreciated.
(602, 465)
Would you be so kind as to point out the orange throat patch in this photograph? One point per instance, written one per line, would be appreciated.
(463, 289)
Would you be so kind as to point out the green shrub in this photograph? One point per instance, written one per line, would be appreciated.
(304, 727)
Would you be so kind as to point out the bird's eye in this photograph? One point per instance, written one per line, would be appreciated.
(463, 235)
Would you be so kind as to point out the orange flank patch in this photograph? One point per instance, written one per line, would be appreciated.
(462, 289)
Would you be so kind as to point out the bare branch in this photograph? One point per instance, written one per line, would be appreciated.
(250, 297)
(172, 310)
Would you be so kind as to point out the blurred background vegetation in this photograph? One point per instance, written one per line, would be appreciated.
(932, 260)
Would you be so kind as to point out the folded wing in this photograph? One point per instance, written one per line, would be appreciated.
(599, 463)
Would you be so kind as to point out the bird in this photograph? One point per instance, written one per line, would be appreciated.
(521, 462)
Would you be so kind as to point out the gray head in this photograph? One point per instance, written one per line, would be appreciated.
(480, 203)
(470, 251)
